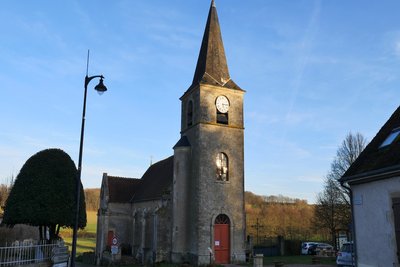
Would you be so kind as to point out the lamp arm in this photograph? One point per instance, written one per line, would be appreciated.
(89, 78)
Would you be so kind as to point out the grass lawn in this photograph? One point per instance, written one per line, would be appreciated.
(91, 222)
(83, 244)
(301, 259)
(86, 238)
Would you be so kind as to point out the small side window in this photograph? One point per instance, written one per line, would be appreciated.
(189, 116)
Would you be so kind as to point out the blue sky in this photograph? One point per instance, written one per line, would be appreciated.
(313, 71)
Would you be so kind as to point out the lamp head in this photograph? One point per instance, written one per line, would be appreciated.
(100, 88)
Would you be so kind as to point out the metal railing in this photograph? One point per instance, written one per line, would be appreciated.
(20, 253)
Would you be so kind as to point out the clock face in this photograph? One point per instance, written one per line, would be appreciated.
(222, 104)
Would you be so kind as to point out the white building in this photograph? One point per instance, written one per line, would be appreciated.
(374, 179)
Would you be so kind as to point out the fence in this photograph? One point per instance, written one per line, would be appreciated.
(21, 253)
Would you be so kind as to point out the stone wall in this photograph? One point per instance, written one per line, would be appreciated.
(152, 228)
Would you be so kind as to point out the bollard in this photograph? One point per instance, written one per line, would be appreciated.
(258, 260)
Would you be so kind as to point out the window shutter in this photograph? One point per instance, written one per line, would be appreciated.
(396, 212)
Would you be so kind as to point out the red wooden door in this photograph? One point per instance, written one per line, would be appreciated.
(221, 243)
(110, 236)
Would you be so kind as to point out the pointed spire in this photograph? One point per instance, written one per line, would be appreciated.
(211, 66)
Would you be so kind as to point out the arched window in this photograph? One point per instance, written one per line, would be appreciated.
(222, 219)
(190, 113)
(222, 167)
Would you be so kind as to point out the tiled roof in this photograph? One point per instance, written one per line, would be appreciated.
(156, 181)
(376, 160)
(121, 189)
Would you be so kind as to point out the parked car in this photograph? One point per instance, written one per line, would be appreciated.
(314, 248)
(324, 246)
(324, 249)
(345, 256)
(305, 247)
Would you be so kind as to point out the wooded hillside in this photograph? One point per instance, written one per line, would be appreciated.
(92, 197)
(280, 216)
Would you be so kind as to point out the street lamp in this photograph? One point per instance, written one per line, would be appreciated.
(100, 88)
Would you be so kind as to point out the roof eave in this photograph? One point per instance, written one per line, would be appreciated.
(371, 176)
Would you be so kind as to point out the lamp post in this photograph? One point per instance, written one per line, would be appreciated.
(100, 88)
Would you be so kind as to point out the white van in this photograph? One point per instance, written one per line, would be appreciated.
(305, 247)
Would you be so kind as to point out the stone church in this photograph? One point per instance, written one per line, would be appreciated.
(188, 207)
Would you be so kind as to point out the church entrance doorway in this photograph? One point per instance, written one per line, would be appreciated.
(222, 239)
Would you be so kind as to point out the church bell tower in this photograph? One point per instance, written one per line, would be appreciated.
(208, 187)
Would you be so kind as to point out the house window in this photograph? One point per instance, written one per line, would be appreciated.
(222, 165)
(190, 114)
(396, 213)
(392, 136)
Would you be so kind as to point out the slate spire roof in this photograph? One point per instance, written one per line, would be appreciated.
(212, 67)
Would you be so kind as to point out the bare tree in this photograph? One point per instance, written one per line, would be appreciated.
(92, 197)
(347, 153)
(333, 210)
